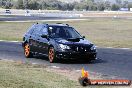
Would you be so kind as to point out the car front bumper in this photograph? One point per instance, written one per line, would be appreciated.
(77, 55)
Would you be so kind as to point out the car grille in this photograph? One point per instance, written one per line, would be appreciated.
(80, 48)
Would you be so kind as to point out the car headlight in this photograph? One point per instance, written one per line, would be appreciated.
(64, 46)
(93, 48)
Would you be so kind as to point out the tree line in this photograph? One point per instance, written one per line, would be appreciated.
(88, 5)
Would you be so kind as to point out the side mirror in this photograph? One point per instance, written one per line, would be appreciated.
(44, 36)
(83, 36)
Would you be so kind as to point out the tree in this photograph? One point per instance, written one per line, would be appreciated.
(100, 6)
(43, 5)
(0, 3)
(125, 4)
(8, 5)
(115, 7)
(119, 2)
(129, 5)
(20, 4)
(94, 7)
(25, 4)
(33, 5)
(107, 5)
(85, 5)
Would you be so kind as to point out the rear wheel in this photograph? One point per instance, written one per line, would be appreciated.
(27, 51)
(51, 55)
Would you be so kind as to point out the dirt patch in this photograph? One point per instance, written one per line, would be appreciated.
(73, 74)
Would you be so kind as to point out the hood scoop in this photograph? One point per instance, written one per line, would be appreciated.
(73, 39)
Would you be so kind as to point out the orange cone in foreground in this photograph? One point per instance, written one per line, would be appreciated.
(83, 80)
(84, 73)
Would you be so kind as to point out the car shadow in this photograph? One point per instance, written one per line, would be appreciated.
(73, 61)
(41, 57)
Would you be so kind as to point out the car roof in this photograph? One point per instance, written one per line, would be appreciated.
(57, 24)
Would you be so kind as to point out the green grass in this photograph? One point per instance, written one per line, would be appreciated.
(15, 75)
(18, 75)
(103, 32)
(107, 32)
(13, 30)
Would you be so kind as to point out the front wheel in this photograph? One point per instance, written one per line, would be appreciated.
(51, 55)
(27, 51)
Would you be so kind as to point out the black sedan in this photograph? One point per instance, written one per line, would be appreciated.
(57, 41)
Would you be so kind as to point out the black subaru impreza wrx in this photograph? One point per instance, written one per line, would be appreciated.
(57, 41)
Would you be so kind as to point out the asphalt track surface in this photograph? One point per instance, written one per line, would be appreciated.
(111, 62)
(26, 18)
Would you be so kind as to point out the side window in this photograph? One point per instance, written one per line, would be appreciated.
(37, 30)
(44, 31)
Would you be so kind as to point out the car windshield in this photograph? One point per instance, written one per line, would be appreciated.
(63, 32)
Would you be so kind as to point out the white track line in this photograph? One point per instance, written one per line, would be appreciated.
(78, 70)
(10, 41)
(35, 63)
(125, 48)
(109, 47)
(118, 48)
(113, 48)
(54, 67)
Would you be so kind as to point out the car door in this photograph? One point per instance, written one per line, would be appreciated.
(43, 42)
(31, 38)
(36, 38)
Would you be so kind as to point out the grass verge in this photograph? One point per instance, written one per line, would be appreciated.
(16, 75)
(24, 75)
(104, 32)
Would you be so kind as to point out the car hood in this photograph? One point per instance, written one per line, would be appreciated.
(73, 41)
